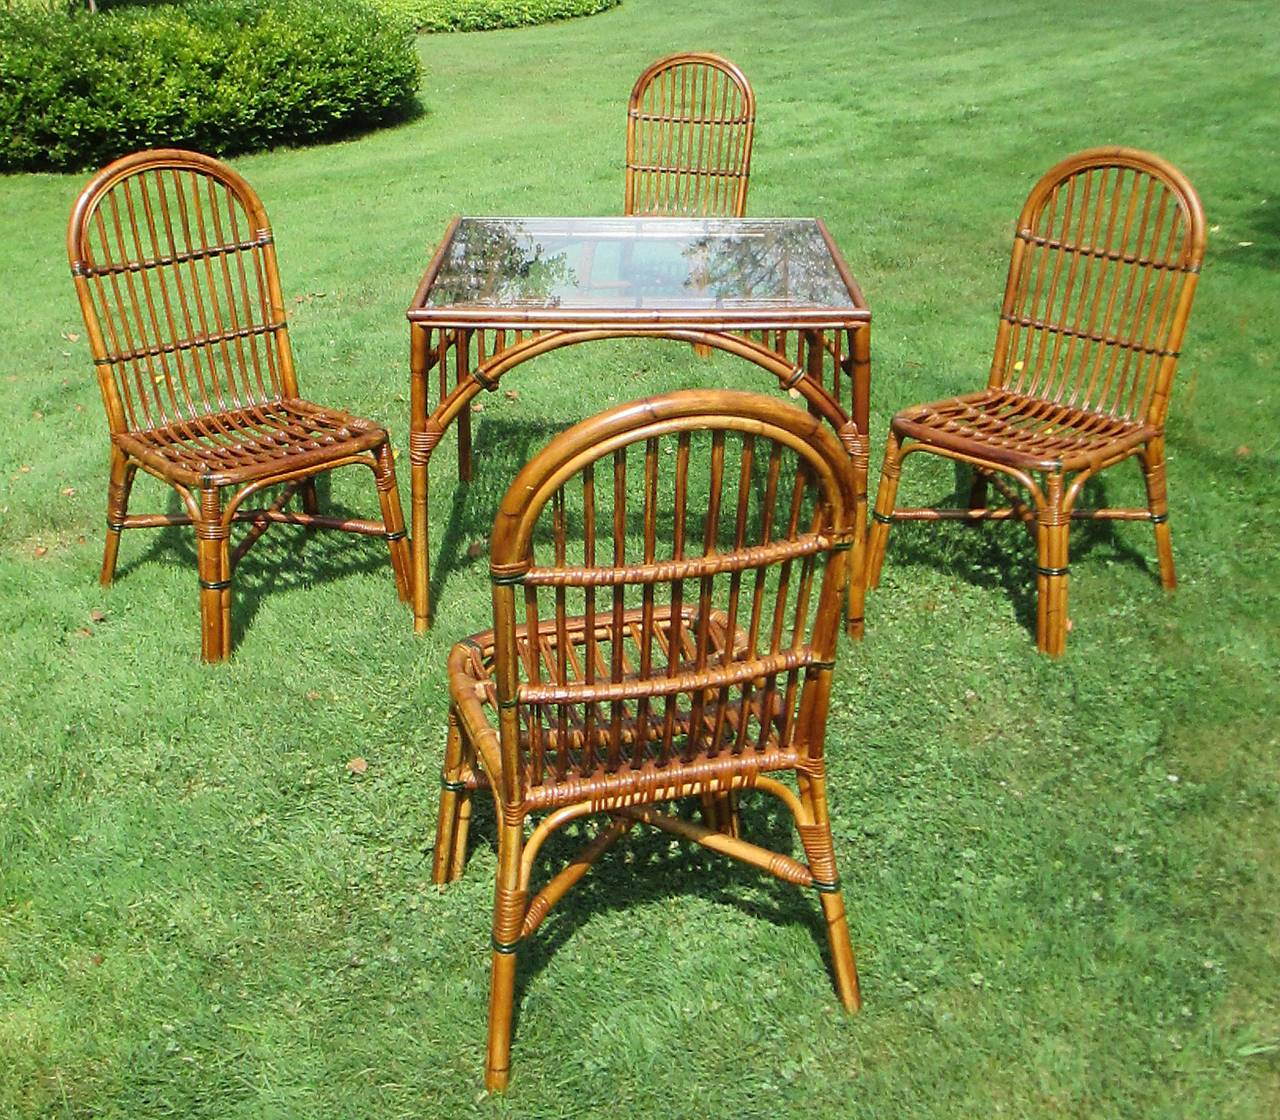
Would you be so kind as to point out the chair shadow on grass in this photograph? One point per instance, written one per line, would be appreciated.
(286, 557)
(647, 866)
(1002, 555)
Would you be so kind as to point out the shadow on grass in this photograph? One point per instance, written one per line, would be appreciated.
(1002, 555)
(500, 447)
(648, 866)
(284, 558)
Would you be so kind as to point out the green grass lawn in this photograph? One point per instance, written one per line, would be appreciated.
(1062, 876)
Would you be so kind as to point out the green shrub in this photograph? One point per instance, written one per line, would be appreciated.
(217, 75)
(484, 15)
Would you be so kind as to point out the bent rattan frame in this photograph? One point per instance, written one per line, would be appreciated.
(714, 679)
(175, 269)
(690, 123)
(1105, 262)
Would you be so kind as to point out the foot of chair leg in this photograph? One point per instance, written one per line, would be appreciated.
(1153, 472)
(882, 517)
(843, 965)
(118, 486)
(1052, 525)
(213, 564)
(502, 985)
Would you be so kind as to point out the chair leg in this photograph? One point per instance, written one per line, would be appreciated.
(213, 563)
(882, 517)
(508, 918)
(397, 537)
(819, 850)
(452, 795)
(118, 487)
(702, 350)
(1158, 502)
(310, 499)
(720, 812)
(1052, 527)
(978, 491)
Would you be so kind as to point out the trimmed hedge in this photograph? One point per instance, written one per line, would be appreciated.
(485, 15)
(221, 76)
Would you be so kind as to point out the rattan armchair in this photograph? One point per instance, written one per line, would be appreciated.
(667, 582)
(1105, 262)
(690, 121)
(175, 269)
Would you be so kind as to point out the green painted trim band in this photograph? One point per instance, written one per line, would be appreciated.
(842, 546)
(115, 526)
(504, 948)
(215, 585)
(823, 887)
(399, 535)
(452, 787)
(822, 665)
(1052, 571)
(1159, 518)
(504, 579)
(794, 380)
(509, 704)
(882, 518)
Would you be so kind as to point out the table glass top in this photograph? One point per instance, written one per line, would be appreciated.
(623, 263)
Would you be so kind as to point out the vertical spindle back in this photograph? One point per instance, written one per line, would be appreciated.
(668, 581)
(1105, 262)
(175, 269)
(690, 123)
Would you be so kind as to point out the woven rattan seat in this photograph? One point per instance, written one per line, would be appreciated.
(176, 273)
(668, 579)
(1019, 430)
(251, 443)
(575, 773)
(1104, 267)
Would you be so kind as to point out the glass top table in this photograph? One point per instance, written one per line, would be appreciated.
(555, 270)
(499, 291)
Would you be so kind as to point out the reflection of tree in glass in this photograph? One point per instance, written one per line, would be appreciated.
(499, 263)
(788, 261)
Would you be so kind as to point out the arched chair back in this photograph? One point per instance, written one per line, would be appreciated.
(175, 267)
(1105, 262)
(690, 123)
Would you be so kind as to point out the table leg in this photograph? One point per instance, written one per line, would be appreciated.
(860, 372)
(419, 456)
(462, 366)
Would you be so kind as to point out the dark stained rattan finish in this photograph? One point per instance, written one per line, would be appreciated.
(690, 123)
(500, 291)
(176, 274)
(1105, 262)
(668, 578)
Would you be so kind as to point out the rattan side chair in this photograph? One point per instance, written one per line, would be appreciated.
(690, 121)
(176, 274)
(1105, 261)
(667, 588)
